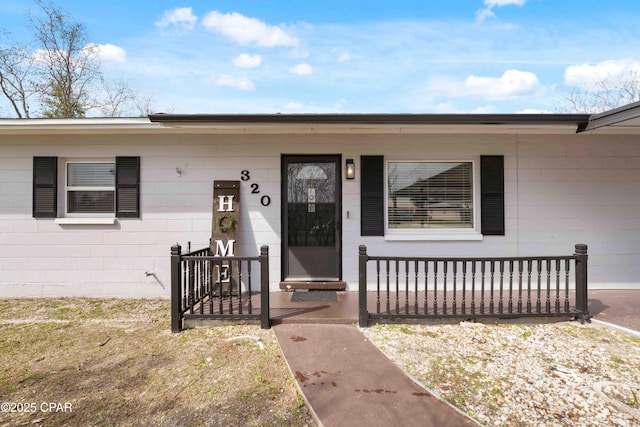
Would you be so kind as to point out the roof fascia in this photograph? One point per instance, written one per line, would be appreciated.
(77, 126)
(373, 119)
(611, 117)
(327, 129)
(373, 123)
(304, 124)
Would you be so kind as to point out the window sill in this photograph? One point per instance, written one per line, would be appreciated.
(449, 236)
(86, 221)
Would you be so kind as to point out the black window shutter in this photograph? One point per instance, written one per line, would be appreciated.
(372, 196)
(492, 195)
(128, 187)
(45, 187)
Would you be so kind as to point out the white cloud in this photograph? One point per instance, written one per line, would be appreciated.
(104, 52)
(344, 57)
(240, 83)
(534, 111)
(340, 104)
(512, 83)
(247, 61)
(41, 55)
(487, 11)
(500, 3)
(587, 76)
(443, 107)
(303, 69)
(294, 106)
(109, 52)
(246, 31)
(483, 109)
(483, 14)
(181, 17)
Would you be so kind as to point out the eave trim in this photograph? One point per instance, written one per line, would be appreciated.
(186, 120)
(611, 117)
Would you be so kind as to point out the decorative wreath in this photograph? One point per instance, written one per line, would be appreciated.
(225, 222)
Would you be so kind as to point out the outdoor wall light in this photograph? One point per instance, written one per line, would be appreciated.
(351, 169)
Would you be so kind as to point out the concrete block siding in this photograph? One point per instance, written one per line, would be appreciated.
(586, 192)
(559, 190)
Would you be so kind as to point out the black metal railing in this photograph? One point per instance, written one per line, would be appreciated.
(469, 288)
(204, 286)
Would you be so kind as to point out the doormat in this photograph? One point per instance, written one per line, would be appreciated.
(315, 296)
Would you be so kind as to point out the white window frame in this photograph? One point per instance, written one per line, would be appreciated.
(68, 188)
(408, 234)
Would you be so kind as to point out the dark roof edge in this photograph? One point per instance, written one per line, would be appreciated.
(378, 119)
(617, 115)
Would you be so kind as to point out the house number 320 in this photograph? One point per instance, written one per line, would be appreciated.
(265, 200)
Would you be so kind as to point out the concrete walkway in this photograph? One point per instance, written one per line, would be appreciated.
(347, 381)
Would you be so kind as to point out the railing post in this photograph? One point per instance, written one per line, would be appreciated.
(582, 303)
(265, 322)
(363, 313)
(176, 289)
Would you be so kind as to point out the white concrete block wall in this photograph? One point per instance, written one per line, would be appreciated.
(560, 190)
(39, 257)
(582, 189)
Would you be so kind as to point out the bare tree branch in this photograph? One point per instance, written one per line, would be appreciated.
(144, 105)
(117, 99)
(62, 71)
(15, 68)
(607, 94)
(70, 65)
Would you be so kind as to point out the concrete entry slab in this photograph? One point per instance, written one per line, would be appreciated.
(337, 285)
(344, 311)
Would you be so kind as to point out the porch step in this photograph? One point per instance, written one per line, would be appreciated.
(339, 285)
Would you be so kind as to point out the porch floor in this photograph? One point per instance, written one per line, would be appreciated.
(283, 310)
(620, 307)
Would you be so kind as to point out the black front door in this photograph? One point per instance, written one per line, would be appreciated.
(311, 213)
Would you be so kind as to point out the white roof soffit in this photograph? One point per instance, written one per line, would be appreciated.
(78, 126)
(622, 120)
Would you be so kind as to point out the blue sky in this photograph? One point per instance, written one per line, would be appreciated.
(454, 56)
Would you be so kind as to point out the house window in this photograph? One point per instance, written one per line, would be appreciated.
(90, 188)
(430, 195)
(97, 191)
(437, 200)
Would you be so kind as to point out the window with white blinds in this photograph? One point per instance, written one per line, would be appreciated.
(90, 187)
(430, 195)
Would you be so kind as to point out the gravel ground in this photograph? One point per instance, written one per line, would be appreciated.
(562, 374)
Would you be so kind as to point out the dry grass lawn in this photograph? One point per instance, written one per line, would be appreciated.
(115, 363)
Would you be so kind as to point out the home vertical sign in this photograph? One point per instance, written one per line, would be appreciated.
(224, 239)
